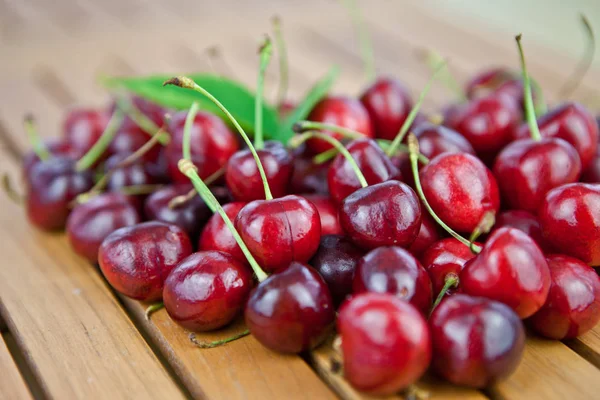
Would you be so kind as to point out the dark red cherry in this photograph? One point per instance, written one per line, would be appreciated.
(216, 236)
(89, 223)
(511, 269)
(136, 260)
(328, 213)
(207, 290)
(395, 271)
(429, 233)
(346, 112)
(244, 180)
(290, 311)
(527, 169)
(309, 177)
(476, 341)
(385, 214)
(335, 261)
(386, 344)
(51, 186)
(570, 221)
(571, 122)
(60, 148)
(212, 144)
(460, 189)
(488, 81)
(152, 111)
(134, 174)
(388, 103)
(372, 162)
(131, 137)
(573, 304)
(523, 221)
(83, 127)
(447, 256)
(592, 173)
(437, 139)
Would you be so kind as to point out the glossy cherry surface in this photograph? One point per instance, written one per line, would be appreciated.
(335, 261)
(429, 233)
(129, 138)
(386, 344)
(487, 81)
(133, 174)
(308, 177)
(395, 271)
(573, 304)
(207, 290)
(447, 256)
(216, 236)
(243, 178)
(89, 223)
(290, 311)
(570, 221)
(437, 139)
(328, 213)
(60, 148)
(83, 127)
(460, 189)
(592, 172)
(525, 222)
(510, 269)
(476, 341)
(136, 260)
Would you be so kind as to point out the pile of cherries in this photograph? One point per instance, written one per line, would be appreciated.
(366, 238)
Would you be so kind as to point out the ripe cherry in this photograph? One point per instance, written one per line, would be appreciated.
(328, 214)
(525, 222)
(388, 103)
(427, 236)
(444, 259)
(83, 127)
(216, 236)
(490, 80)
(386, 344)
(573, 304)
(476, 341)
(133, 174)
(136, 260)
(131, 137)
(309, 177)
(207, 290)
(60, 148)
(592, 173)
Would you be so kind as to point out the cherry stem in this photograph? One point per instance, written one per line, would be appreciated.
(413, 113)
(187, 83)
(34, 138)
(178, 201)
(217, 343)
(12, 194)
(101, 144)
(284, 76)
(432, 58)
(484, 226)
(366, 46)
(266, 49)
(303, 126)
(152, 308)
(529, 109)
(325, 156)
(402, 148)
(187, 131)
(141, 120)
(584, 63)
(298, 140)
(413, 148)
(451, 281)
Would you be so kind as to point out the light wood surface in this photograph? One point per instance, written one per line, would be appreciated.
(12, 385)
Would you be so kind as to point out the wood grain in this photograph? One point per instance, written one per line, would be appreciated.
(588, 346)
(12, 385)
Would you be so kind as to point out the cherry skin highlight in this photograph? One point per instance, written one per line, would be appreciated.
(386, 344)
(133, 174)
(443, 258)
(216, 236)
(83, 127)
(328, 214)
(57, 148)
(207, 290)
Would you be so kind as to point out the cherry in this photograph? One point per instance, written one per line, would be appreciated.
(525, 222)
(133, 174)
(60, 148)
(570, 223)
(335, 261)
(386, 344)
(83, 127)
(395, 271)
(131, 137)
(427, 236)
(491, 80)
(592, 173)
(476, 341)
(89, 223)
(216, 236)
(444, 259)
(573, 304)
(207, 290)
(437, 139)
(290, 311)
(136, 260)
(328, 214)
(141, 113)
(309, 177)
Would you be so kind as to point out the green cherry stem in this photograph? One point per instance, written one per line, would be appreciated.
(413, 148)
(217, 343)
(152, 308)
(366, 47)
(325, 156)
(101, 144)
(283, 62)
(413, 113)
(266, 49)
(432, 58)
(484, 226)
(187, 131)
(298, 140)
(34, 138)
(584, 63)
(303, 126)
(178, 201)
(10, 191)
(141, 120)
(529, 109)
(187, 83)
(451, 281)
(402, 148)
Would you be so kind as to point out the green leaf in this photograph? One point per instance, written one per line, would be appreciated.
(314, 95)
(238, 99)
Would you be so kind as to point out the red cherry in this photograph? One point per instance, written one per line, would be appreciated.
(328, 213)
(212, 144)
(460, 189)
(136, 260)
(388, 103)
(83, 127)
(488, 81)
(511, 269)
(243, 178)
(133, 174)
(207, 290)
(476, 341)
(592, 173)
(573, 304)
(429, 233)
(60, 148)
(131, 137)
(280, 231)
(385, 214)
(447, 256)
(570, 222)
(335, 261)
(216, 235)
(89, 223)
(345, 112)
(290, 311)
(386, 344)
(395, 271)
(372, 162)
(525, 222)
(309, 177)
(151, 110)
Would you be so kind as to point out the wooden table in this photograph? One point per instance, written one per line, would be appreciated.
(66, 334)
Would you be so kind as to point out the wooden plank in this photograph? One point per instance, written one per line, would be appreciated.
(588, 346)
(12, 385)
